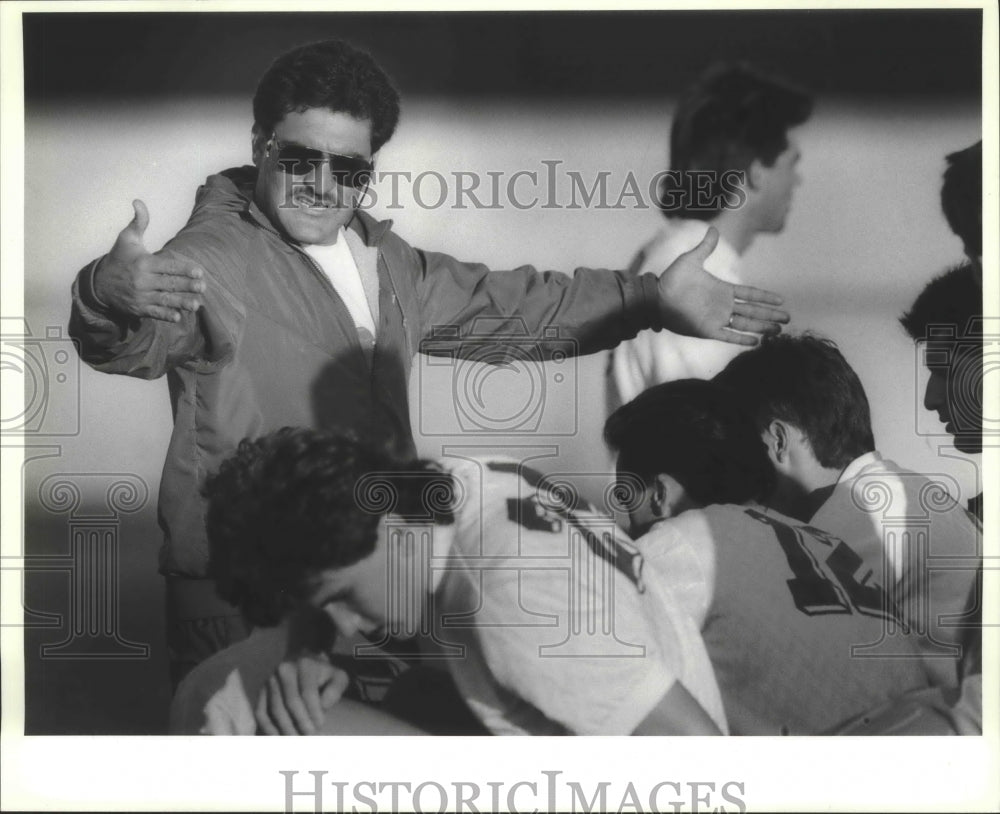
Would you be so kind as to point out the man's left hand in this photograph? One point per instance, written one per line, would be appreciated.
(696, 303)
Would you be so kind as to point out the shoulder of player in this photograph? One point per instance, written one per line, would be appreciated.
(883, 486)
(690, 529)
(673, 239)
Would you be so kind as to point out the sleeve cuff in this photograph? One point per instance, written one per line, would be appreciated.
(649, 301)
(87, 291)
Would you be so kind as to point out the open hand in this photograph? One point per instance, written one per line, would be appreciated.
(696, 303)
(133, 282)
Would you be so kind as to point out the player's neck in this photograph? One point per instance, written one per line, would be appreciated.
(802, 490)
(736, 229)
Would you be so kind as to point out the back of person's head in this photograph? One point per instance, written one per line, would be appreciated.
(732, 116)
(953, 301)
(333, 75)
(297, 502)
(694, 431)
(806, 382)
(962, 197)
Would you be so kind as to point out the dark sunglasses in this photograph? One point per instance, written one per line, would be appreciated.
(347, 171)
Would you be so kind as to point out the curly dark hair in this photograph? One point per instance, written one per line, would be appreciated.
(290, 504)
(333, 75)
(692, 430)
(731, 116)
(962, 196)
(806, 381)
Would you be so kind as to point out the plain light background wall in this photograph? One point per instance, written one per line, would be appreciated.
(864, 235)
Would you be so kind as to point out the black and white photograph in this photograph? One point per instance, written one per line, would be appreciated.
(428, 375)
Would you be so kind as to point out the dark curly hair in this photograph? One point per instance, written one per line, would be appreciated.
(299, 501)
(692, 430)
(806, 381)
(333, 75)
(733, 115)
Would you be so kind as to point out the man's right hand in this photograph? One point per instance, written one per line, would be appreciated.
(132, 282)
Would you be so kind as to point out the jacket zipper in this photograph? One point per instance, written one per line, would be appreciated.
(324, 281)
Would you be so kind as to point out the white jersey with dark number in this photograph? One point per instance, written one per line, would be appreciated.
(543, 612)
(799, 640)
(914, 538)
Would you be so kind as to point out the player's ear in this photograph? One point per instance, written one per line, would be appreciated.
(755, 174)
(669, 497)
(776, 438)
(258, 144)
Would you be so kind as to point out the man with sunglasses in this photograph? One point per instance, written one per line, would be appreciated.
(281, 303)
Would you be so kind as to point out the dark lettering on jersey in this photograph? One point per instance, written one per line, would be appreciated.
(537, 480)
(813, 592)
(534, 514)
(624, 557)
(868, 598)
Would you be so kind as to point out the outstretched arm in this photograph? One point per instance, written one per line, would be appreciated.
(594, 308)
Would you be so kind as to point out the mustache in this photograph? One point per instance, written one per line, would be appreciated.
(303, 197)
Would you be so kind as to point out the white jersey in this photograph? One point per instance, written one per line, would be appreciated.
(654, 357)
(915, 539)
(543, 611)
(553, 621)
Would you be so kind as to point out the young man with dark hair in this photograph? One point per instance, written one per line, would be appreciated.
(946, 318)
(733, 166)
(282, 303)
(784, 625)
(536, 606)
(962, 202)
(909, 534)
